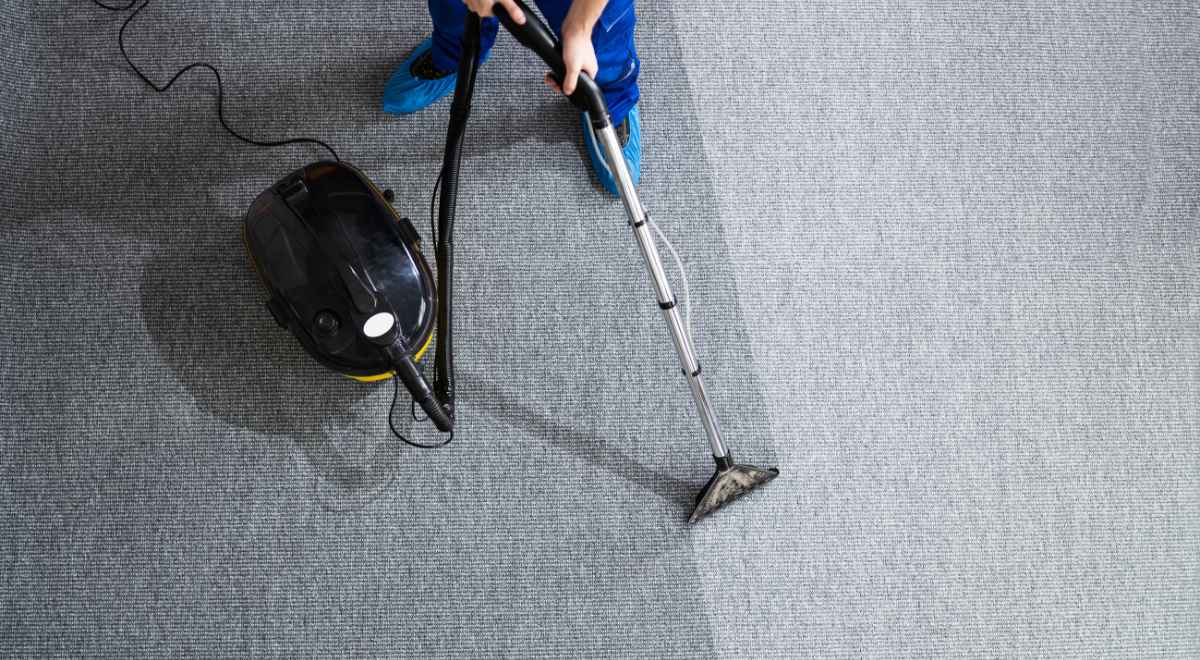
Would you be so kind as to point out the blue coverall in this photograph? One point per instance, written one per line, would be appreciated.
(613, 39)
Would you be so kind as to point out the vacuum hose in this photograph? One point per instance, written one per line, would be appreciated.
(439, 403)
(460, 110)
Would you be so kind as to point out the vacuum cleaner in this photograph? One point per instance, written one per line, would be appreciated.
(346, 275)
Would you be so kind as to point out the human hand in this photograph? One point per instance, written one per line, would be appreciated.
(578, 55)
(484, 8)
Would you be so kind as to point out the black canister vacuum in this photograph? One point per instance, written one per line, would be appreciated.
(347, 277)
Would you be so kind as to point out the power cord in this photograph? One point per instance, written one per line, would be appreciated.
(398, 434)
(198, 65)
(131, 4)
(259, 143)
(412, 408)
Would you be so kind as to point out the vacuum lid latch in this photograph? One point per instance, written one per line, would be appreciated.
(294, 191)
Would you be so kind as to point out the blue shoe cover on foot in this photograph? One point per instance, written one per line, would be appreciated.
(406, 93)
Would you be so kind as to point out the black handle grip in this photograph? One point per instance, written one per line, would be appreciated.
(535, 36)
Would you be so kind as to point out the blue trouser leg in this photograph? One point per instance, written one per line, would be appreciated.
(449, 17)
(613, 39)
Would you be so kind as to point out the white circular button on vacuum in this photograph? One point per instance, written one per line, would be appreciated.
(379, 324)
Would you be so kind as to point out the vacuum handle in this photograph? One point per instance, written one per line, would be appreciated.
(535, 36)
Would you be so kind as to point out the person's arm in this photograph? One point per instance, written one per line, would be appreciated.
(578, 52)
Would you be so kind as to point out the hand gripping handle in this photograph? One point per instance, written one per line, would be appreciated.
(535, 36)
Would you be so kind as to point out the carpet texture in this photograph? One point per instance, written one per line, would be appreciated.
(944, 265)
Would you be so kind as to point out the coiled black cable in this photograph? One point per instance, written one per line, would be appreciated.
(398, 434)
(199, 65)
(131, 4)
(263, 143)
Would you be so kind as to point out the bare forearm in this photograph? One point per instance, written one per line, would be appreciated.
(582, 16)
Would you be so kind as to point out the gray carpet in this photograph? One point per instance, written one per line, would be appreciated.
(944, 259)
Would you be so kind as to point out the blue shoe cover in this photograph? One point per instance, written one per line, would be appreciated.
(406, 93)
(632, 150)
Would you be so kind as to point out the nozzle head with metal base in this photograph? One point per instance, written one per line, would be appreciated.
(728, 483)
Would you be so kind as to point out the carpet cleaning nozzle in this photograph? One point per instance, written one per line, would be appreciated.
(728, 483)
